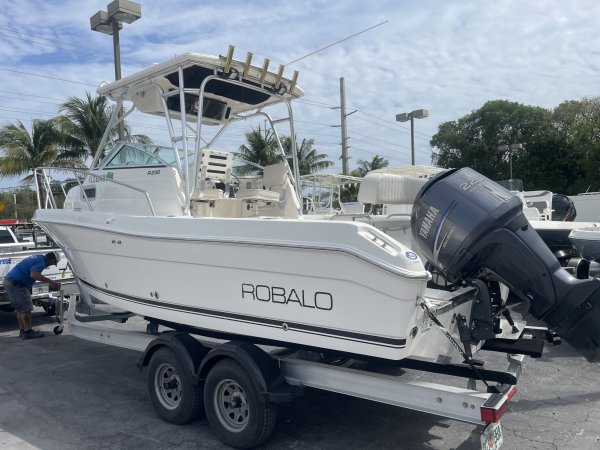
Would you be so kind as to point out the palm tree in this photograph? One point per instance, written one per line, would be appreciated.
(261, 150)
(309, 161)
(364, 167)
(23, 152)
(85, 121)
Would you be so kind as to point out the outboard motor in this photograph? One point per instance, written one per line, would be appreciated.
(563, 208)
(469, 227)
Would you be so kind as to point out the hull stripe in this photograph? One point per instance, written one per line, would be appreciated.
(273, 323)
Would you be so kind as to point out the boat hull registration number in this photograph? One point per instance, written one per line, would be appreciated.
(491, 438)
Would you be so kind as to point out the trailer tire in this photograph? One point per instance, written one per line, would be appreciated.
(233, 408)
(174, 394)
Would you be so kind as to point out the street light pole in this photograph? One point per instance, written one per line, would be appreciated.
(110, 22)
(405, 117)
(117, 54)
(412, 139)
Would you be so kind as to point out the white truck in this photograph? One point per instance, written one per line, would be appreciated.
(12, 252)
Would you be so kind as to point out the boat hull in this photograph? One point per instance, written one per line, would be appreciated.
(587, 242)
(242, 277)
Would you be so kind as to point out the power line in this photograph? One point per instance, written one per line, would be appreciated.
(52, 43)
(380, 140)
(395, 125)
(308, 101)
(316, 103)
(311, 103)
(393, 158)
(35, 42)
(18, 110)
(30, 95)
(28, 100)
(46, 76)
(45, 39)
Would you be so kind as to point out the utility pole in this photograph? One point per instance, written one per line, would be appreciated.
(343, 114)
(344, 130)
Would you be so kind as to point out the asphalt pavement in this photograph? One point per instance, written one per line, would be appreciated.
(62, 392)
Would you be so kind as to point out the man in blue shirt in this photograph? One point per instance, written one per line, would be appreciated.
(18, 283)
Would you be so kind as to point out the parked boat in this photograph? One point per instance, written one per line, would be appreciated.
(587, 242)
(395, 188)
(176, 234)
(588, 206)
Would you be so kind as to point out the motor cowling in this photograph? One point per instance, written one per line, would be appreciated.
(468, 226)
(563, 208)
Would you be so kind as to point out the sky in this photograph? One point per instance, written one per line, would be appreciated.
(448, 57)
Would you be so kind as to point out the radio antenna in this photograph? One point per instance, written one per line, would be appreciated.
(335, 43)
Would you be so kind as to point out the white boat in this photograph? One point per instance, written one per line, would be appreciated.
(588, 206)
(394, 190)
(554, 217)
(587, 242)
(384, 198)
(176, 235)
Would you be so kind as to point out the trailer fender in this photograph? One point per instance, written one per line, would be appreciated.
(189, 350)
(262, 368)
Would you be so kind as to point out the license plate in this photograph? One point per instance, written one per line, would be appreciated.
(491, 438)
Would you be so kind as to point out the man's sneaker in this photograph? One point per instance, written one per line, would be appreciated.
(32, 334)
(22, 333)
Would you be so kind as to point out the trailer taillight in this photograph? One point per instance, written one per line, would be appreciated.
(496, 405)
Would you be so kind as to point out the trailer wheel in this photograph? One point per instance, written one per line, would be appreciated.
(175, 396)
(233, 408)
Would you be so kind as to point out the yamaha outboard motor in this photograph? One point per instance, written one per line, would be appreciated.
(470, 227)
(563, 208)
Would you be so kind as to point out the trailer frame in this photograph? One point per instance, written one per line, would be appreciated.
(272, 376)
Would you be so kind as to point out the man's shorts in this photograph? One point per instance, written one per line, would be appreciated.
(19, 295)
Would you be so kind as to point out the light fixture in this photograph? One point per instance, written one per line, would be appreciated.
(124, 11)
(405, 117)
(110, 22)
(101, 23)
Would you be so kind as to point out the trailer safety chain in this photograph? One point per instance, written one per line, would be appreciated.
(445, 332)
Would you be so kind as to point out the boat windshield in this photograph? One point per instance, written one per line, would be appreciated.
(142, 155)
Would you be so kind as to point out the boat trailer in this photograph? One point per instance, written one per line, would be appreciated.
(238, 383)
